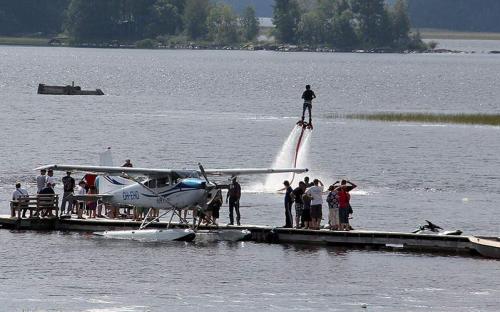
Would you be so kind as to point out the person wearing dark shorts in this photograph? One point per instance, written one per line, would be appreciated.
(299, 204)
(306, 211)
(316, 212)
(315, 192)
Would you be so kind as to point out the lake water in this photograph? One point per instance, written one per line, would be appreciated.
(235, 109)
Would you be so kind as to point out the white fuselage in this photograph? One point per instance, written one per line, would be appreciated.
(154, 193)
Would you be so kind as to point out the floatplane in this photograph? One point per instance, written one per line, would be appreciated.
(169, 190)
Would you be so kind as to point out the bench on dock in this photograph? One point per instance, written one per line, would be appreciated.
(41, 205)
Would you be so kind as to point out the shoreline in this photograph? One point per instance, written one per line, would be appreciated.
(264, 46)
(272, 48)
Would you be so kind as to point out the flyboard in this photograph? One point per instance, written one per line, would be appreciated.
(305, 126)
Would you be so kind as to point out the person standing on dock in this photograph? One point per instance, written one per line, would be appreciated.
(81, 203)
(288, 204)
(68, 189)
(348, 186)
(234, 195)
(343, 200)
(308, 96)
(41, 180)
(333, 208)
(316, 194)
(50, 178)
(299, 204)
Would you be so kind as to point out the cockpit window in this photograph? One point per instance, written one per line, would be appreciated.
(155, 183)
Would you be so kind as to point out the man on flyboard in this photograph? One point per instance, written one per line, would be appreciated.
(308, 96)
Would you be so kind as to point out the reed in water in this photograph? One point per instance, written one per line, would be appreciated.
(475, 119)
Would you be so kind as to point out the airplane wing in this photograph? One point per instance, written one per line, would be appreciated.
(111, 170)
(151, 172)
(247, 171)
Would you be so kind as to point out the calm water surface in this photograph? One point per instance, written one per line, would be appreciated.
(235, 109)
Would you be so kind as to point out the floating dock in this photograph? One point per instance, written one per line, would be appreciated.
(66, 90)
(488, 247)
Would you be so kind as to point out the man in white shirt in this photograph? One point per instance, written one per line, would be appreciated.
(50, 178)
(80, 190)
(316, 193)
(41, 181)
(18, 195)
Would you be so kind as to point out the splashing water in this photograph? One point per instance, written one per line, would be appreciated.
(293, 154)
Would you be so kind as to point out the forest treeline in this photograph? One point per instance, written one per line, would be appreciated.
(340, 24)
(48, 17)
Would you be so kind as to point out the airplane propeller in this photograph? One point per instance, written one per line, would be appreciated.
(210, 184)
(203, 173)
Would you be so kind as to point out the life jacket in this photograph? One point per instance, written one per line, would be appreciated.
(343, 199)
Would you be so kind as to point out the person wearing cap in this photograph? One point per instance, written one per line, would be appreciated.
(17, 196)
(127, 163)
(345, 186)
(68, 189)
(234, 195)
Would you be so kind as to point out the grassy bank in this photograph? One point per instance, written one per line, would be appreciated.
(463, 35)
(29, 41)
(472, 119)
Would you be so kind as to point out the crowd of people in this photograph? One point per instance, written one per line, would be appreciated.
(308, 200)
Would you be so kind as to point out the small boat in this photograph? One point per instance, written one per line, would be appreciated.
(486, 246)
(67, 90)
(151, 235)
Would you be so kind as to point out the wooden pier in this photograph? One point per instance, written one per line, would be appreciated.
(443, 244)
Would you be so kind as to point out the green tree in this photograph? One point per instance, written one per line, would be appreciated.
(31, 16)
(249, 24)
(400, 21)
(91, 20)
(374, 22)
(222, 25)
(343, 35)
(195, 18)
(311, 28)
(286, 18)
(134, 18)
(165, 19)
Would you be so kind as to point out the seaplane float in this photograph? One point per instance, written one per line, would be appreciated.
(169, 190)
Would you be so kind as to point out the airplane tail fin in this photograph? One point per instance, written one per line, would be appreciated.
(108, 184)
(106, 158)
